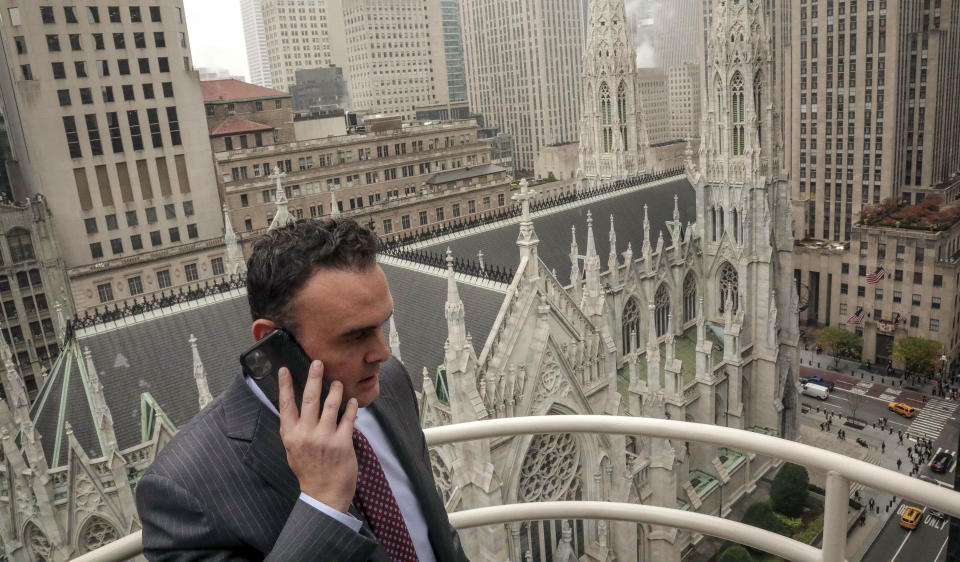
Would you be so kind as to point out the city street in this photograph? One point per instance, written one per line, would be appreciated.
(867, 400)
(926, 543)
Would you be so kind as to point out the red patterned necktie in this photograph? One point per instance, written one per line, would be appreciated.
(376, 501)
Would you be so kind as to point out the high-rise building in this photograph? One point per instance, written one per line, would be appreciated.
(258, 61)
(683, 90)
(298, 34)
(655, 104)
(453, 49)
(523, 62)
(106, 121)
(396, 56)
(875, 119)
(676, 32)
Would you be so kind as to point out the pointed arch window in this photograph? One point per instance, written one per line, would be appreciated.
(551, 472)
(689, 297)
(729, 287)
(736, 95)
(622, 113)
(662, 311)
(96, 533)
(630, 326)
(606, 117)
(713, 223)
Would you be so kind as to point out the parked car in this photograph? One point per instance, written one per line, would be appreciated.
(902, 409)
(911, 517)
(818, 380)
(815, 390)
(941, 462)
(936, 514)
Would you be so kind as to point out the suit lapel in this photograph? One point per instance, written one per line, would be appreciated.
(247, 419)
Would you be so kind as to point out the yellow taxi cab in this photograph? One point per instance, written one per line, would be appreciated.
(902, 409)
(911, 517)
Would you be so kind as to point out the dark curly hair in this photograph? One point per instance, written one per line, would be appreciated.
(283, 260)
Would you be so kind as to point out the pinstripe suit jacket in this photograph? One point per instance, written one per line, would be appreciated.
(222, 488)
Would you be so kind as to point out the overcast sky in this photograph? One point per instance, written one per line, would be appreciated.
(216, 35)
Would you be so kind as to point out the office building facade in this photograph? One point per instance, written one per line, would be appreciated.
(106, 121)
(524, 67)
(254, 36)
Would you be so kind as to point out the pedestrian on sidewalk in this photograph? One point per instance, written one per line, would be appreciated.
(899, 462)
(883, 447)
(839, 434)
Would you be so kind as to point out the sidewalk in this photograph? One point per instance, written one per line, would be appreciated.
(860, 538)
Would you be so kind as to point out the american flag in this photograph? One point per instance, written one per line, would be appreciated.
(898, 319)
(876, 276)
(857, 317)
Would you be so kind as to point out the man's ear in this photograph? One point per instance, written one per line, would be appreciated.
(262, 327)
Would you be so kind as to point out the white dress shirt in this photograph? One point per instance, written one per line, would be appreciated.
(397, 477)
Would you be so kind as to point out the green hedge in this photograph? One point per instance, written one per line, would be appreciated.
(789, 491)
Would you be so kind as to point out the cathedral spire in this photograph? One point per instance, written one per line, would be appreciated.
(613, 264)
(200, 375)
(394, 339)
(103, 419)
(528, 240)
(575, 266)
(612, 139)
(282, 217)
(647, 249)
(456, 327)
(236, 264)
(592, 292)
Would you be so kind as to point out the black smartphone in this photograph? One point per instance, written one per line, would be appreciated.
(277, 349)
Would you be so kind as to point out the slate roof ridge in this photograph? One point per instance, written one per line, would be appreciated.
(494, 225)
(234, 125)
(439, 272)
(150, 315)
(232, 90)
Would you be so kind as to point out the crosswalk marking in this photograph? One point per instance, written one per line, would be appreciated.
(872, 458)
(890, 394)
(931, 418)
(862, 388)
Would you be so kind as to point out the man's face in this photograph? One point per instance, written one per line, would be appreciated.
(340, 316)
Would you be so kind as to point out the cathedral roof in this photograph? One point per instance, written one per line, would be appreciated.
(147, 363)
(498, 243)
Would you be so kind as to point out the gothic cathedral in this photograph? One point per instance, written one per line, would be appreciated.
(613, 140)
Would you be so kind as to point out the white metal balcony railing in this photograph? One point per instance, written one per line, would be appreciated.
(841, 471)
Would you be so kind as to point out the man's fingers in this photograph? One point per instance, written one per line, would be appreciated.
(286, 406)
(310, 408)
(328, 419)
(349, 418)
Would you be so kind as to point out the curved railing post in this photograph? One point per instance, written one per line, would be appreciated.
(835, 517)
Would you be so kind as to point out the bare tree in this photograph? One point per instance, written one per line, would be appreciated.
(854, 402)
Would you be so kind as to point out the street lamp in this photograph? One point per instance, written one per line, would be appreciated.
(943, 368)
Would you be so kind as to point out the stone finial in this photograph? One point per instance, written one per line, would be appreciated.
(200, 375)
(394, 338)
(456, 326)
(613, 263)
(334, 208)
(282, 217)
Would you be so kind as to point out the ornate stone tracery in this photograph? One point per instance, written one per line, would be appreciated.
(38, 545)
(550, 466)
(729, 287)
(662, 302)
(96, 533)
(689, 297)
(630, 326)
(441, 475)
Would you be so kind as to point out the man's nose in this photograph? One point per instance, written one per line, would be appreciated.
(382, 351)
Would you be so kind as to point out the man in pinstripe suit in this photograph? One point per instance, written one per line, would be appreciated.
(247, 479)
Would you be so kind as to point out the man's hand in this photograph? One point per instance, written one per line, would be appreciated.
(319, 452)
